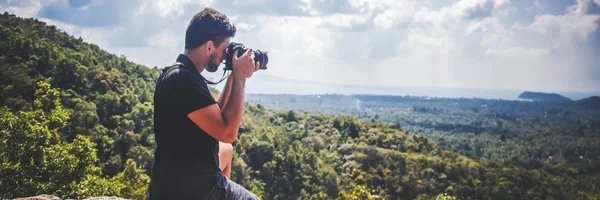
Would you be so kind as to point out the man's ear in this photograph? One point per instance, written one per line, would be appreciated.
(210, 46)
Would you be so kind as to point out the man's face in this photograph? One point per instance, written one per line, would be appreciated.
(217, 56)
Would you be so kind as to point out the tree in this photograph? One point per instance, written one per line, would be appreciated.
(34, 159)
(135, 181)
(358, 192)
(291, 116)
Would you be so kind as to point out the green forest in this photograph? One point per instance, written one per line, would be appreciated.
(76, 122)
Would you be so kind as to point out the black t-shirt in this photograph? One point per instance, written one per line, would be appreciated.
(186, 159)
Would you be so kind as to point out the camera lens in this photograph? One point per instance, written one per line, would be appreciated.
(260, 56)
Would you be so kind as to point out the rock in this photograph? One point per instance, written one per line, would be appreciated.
(40, 197)
(50, 197)
(105, 198)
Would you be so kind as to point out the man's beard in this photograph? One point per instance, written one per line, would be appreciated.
(213, 65)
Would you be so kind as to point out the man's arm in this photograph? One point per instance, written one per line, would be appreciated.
(223, 123)
(224, 96)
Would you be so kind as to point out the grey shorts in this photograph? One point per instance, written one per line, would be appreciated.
(227, 189)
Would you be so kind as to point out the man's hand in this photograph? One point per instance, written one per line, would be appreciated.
(256, 66)
(244, 66)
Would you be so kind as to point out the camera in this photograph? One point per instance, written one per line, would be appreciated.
(260, 56)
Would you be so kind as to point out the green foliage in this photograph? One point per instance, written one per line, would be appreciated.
(311, 158)
(358, 192)
(59, 140)
(291, 116)
(559, 138)
(134, 180)
(33, 156)
(35, 160)
(444, 197)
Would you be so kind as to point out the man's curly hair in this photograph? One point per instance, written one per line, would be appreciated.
(208, 25)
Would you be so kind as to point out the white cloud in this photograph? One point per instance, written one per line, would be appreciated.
(422, 44)
(343, 20)
(576, 20)
(295, 35)
(168, 7)
(568, 25)
(467, 43)
(23, 8)
(518, 52)
(245, 26)
(98, 36)
(461, 10)
(164, 39)
(396, 13)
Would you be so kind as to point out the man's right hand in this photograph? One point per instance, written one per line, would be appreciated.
(244, 65)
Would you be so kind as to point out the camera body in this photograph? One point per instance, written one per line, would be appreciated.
(260, 56)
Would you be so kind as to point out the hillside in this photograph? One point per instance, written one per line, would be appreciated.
(539, 96)
(559, 137)
(590, 102)
(77, 122)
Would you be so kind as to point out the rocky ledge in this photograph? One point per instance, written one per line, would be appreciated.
(50, 197)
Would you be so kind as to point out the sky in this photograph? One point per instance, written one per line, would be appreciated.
(336, 46)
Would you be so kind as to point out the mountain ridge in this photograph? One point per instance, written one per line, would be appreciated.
(540, 96)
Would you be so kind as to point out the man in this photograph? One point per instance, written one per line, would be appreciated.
(193, 131)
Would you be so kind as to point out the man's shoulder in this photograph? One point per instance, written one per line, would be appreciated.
(187, 79)
(178, 72)
(182, 75)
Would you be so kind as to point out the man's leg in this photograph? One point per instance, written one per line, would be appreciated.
(231, 190)
(225, 155)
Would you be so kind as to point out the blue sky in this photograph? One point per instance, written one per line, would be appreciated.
(550, 46)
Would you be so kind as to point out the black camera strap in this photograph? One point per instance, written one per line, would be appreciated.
(178, 64)
(225, 75)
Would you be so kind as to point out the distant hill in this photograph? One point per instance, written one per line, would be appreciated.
(593, 102)
(539, 96)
